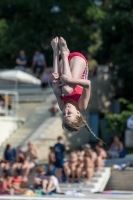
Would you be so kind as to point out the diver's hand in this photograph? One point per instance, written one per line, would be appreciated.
(54, 77)
(64, 80)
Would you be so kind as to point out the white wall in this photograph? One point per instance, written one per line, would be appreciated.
(7, 126)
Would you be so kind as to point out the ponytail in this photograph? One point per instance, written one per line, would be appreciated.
(91, 132)
(77, 124)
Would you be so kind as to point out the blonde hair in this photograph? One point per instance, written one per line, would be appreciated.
(77, 124)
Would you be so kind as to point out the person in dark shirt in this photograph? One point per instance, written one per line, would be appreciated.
(59, 149)
(21, 60)
(10, 154)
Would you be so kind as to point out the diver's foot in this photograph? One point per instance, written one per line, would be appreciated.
(63, 46)
(55, 45)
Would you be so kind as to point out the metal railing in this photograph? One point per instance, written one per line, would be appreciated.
(14, 103)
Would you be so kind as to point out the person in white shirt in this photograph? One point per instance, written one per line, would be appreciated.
(50, 183)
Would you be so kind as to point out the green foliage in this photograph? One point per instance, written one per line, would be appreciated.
(117, 29)
(103, 27)
(117, 122)
(32, 25)
(3, 39)
(3, 29)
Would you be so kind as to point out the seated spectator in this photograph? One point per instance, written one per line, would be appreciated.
(20, 159)
(51, 155)
(97, 160)
(9, 101)
(38, 64)
(39, 177)
(31, 160)
(50, 184)
(21, 60)
(45, 78)
(87, 170)
(92, 154)
(100, 151)
(10, 154)
(20, 156)
(2, 101)
(7, 183)
(92, 65)
(116, 149)
(1, 186)
(51, 169)
(4, 164)
(16, 183)
(102, 155)
(70, 167)
(80, 165)
(54, 108)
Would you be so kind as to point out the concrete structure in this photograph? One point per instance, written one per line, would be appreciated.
(7, 126)
(37, 115)
(62, 197)
(121, 180)
(97, 184)
(34, 114)
(101, 90)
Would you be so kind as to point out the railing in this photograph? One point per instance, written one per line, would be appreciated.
(5, 109)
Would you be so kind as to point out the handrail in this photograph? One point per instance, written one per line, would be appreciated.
(6, 94)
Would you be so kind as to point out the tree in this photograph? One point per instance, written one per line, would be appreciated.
(117, 41)
(117, 122)
(32, 25)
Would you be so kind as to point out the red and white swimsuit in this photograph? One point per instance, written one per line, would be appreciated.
(77, 92)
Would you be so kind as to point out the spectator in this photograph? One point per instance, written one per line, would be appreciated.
(2, 101)
(1, 186)
(59, 149)
(16, 183)
(50, 184)
(97, 160)
(20, 156)
(10, 154)
(21, 60)
(31, 160)
(100, 151)
(7, 183)
(45, 78)
(39, 177)
(87, 149)
(70, 167)
(51, 168)
(102, 155)
(20, 159)
(80, 166)
(92, 65)
(9, 101)
(38, 64)
(51, 156)
(54, 108)
(4, 165)
(87, 169)
(116, 149)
